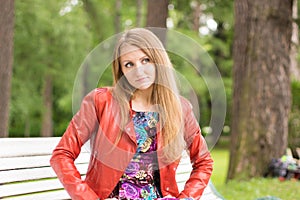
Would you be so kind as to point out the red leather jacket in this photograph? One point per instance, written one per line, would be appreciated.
(97, 121)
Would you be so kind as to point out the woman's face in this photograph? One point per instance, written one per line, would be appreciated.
(137, 67)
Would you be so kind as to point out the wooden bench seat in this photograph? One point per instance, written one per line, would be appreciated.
(25, 172)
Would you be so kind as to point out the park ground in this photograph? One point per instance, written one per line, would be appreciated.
(249, 190)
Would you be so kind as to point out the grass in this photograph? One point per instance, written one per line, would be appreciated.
(260, 187)
(252, 189)
(221, 160)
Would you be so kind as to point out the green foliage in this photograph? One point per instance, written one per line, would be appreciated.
(45, 43)
(218, 45)
(129, 12)
(220, 40)
(295, 88)
(100, 19)
(294, 120)
(55, 37)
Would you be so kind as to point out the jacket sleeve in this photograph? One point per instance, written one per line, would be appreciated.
(201, 160)
(82, 125)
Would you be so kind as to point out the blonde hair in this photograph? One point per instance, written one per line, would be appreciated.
(165, 92)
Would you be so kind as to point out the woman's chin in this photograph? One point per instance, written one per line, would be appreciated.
(144, 86)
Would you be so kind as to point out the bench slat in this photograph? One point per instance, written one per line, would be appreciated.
(29, 187)
(210, 193)
(33, 161)
(183, 171)
(30, 146)
(33, 174)
(184, 168)
(26, 147)
(59, 194)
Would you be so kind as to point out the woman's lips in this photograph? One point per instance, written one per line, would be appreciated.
(141, 79)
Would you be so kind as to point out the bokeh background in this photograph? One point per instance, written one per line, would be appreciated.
(254, 45)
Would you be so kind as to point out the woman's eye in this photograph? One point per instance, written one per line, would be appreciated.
(129, 64)
(146, 60)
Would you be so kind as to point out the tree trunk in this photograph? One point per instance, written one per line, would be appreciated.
(139, 8)
(157, 13)
(261, 93)
(6, 61)
(94, 17)
(27, 127)
(118, 16)
(47, 127)
(196, 16)
(295, 69)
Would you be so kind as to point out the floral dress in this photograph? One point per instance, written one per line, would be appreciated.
(138, 180)
(141, 177)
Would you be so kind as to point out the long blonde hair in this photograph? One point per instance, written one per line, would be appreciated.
(165, 92)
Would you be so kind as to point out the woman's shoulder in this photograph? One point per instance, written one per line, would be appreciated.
(102, 93)
(102, 90)
(100, 96)
(185, 103)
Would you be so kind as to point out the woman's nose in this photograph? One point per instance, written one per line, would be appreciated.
(139, 68)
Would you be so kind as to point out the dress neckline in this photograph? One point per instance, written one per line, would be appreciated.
(138, 111)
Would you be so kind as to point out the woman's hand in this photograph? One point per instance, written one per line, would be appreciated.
(171, 197)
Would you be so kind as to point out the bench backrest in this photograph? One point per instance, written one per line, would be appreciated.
(25, 171)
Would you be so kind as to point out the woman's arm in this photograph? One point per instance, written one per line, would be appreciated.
(83, 124)
(201, 160)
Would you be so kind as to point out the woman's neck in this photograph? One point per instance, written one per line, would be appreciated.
(142, 100)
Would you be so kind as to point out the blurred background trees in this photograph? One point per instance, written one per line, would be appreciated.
(6, 60)
(49, 42)
(52, 39)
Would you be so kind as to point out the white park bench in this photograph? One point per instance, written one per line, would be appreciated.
(25, 171)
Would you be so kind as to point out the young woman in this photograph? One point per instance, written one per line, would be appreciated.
(137, 130)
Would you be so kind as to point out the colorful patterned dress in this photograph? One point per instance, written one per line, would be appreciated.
(138, 179)
(141, 178)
